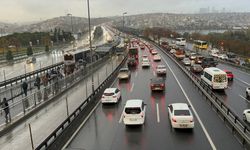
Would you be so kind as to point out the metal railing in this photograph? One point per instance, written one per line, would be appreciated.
(53, 141)
(238, 127)
(21, 107)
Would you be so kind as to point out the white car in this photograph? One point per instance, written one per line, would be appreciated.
(186, 61)
(154, 52)
(157, 57)
(248, 92)
(144, 56)
(145, 62)
(172, 51)
(124, 73)
(161, 69)
(134, 112)
(222, 56)
(192, 56)
(246, 115)
(111, 95)
(180, 116)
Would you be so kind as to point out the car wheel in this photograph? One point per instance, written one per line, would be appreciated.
(244, 117)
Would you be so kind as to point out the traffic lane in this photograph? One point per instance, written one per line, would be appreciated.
(219, 133)
(148, 136)
(46, 120)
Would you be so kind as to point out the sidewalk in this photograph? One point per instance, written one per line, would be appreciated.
(47, 119)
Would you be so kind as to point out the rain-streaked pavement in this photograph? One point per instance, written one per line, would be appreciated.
(104, 131)
(46, 120)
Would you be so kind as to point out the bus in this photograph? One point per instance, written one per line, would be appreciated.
(180, 41)
(198, 44)
(133, 52)
(215, 78)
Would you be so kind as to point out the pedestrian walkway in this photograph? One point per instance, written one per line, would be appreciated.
(47, 119)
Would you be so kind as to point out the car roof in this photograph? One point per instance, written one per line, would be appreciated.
(110, 90)
(157, 80)
(161, 66)
(180, 106)
(134, 103)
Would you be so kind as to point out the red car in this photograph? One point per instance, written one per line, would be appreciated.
(230, 75)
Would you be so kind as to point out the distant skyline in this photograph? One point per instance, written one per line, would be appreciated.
(19, 11)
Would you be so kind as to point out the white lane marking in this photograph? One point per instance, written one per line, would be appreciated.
(157, 112)
(132, 87)
(120, 120)
(243, 81)
(154, 73)
(85, 120)
(192, 107)
(244, 98)
(136, 74)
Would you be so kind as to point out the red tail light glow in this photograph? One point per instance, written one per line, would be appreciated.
(162, 85)
(173, 119)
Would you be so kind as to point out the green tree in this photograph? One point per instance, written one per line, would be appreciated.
(29, 51)
(9, 55)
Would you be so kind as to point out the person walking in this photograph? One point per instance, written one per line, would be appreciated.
(38, 82)
(5, 106)
(25, 88)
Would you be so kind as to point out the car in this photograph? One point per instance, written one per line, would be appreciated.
(172, 51)
(230, 75)
(186, 61)
(157, 84)
(144, 56)
(161, 70)
(246, 115)
(131, 62)
(30, 60)
(208, 62)
(223, 56)
(145, 62)
(248, 92)
(157, 57)
(180, 116)
(111, 95)
(198, 59)
(196, 68)
(124, 73)
(192, 56)
(134, 112)
(154, 52)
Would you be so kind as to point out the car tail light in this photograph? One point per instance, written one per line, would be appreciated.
(152, 85)
(173, 119)
(103, 96)
(114, 96)
(162, 85)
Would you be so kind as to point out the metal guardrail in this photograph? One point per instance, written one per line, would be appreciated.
(28, 75)
(76, 116)
(27, 104)
(238, 127)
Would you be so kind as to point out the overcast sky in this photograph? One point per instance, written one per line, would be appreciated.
(35, 10)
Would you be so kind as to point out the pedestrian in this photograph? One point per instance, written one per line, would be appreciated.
(25, 87)
(5, 106)
(38, 82)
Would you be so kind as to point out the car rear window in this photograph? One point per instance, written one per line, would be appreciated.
(123, 70)
(108, 94)
(161, 67)
(134, 110)
(228, 72)
(181, 113)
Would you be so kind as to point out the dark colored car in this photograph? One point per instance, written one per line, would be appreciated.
(131, 62)
(196, 68)
(157, 84)
(208, 62)
(198, 59)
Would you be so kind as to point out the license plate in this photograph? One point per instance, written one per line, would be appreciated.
(133, 119)
(183, 125)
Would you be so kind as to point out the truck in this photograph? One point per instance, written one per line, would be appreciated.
(179, 54)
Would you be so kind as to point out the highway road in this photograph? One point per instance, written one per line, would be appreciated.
(105, 130)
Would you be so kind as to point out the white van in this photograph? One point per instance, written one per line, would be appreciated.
(180, 41)
(134, 112)
(215, 78)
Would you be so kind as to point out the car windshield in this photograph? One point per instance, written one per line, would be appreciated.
(133, 110)
(108, 94)
(181, 113)
(161, 67)
(229, 72)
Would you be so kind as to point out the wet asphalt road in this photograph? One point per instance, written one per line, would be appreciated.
(104, 131)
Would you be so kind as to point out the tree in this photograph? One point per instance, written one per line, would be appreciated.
(9, 55)
(46, 48)
(29, 51)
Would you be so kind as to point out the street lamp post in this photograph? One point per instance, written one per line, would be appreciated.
(91, 50)
(123, 19)
(71, 22)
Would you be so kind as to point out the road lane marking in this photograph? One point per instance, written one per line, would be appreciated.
(243, 81)
(192, 107)
(244, 98)
(132, 87)
(136, 74)
(85, 120)
(120, 120)
(157, 112)
(154, 73)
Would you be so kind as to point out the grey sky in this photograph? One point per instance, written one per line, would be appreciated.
(34, 10)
